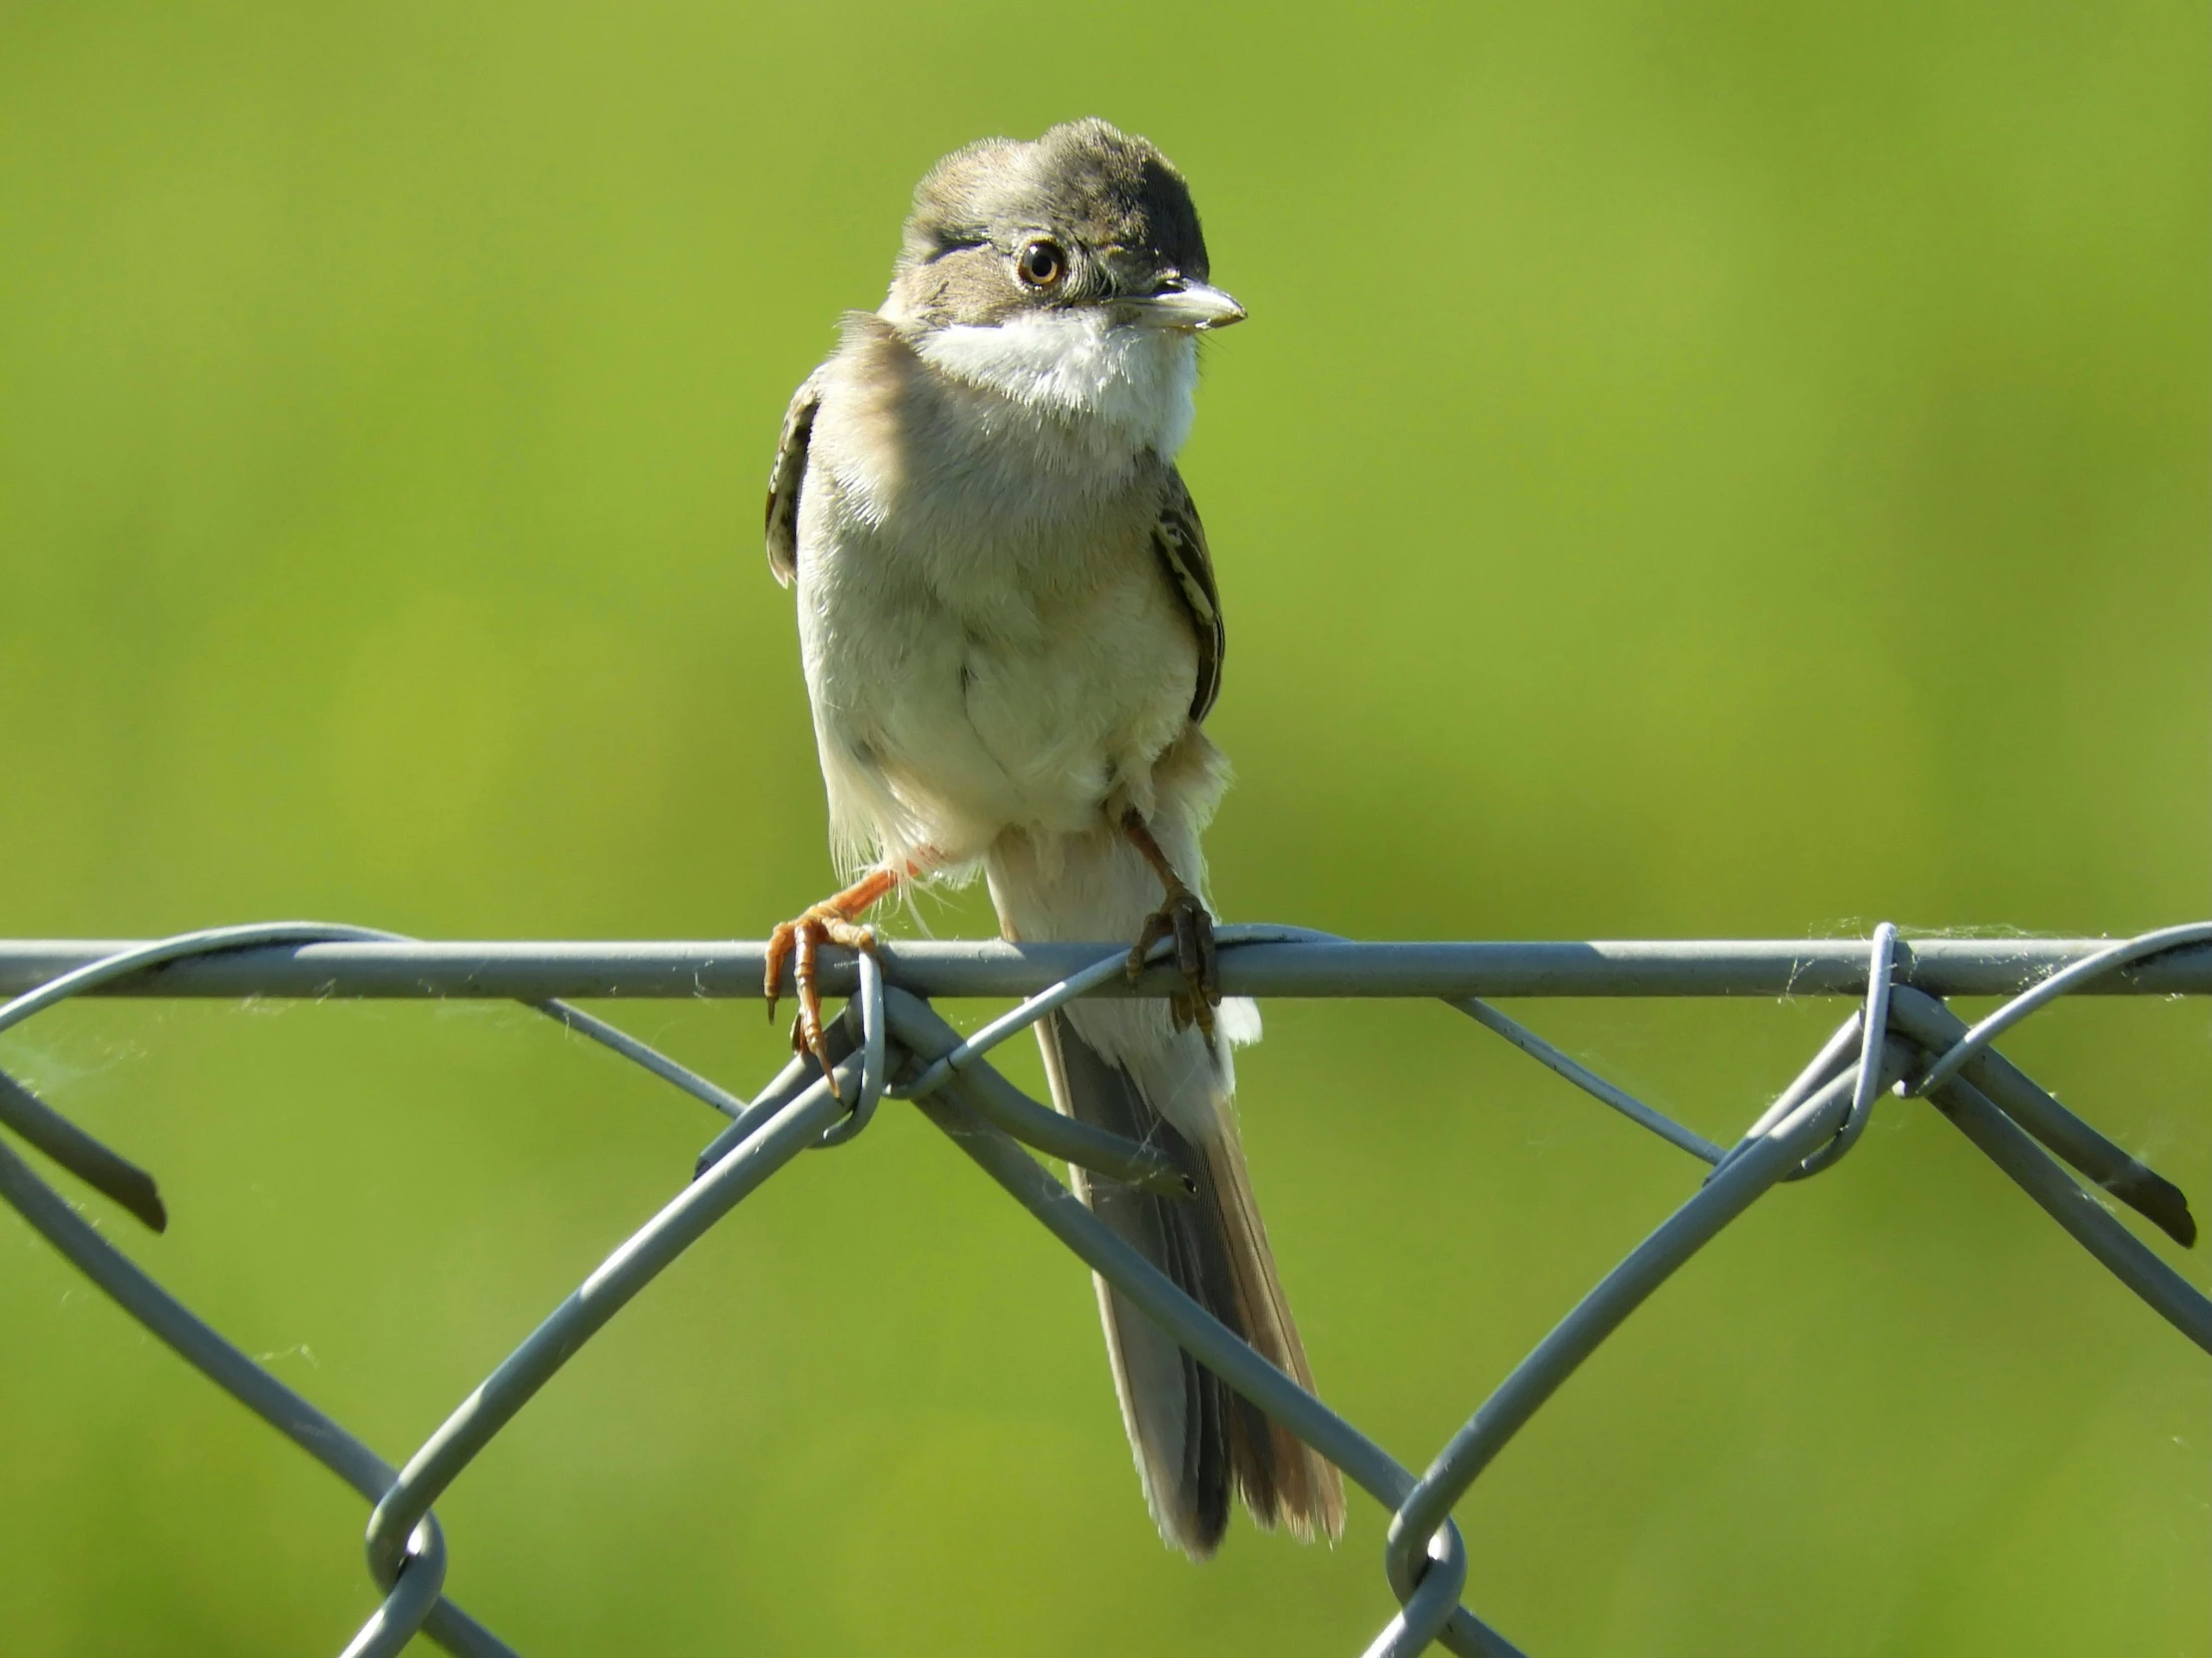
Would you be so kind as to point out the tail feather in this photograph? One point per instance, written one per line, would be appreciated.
(1193, 1438)
(1282, 1481)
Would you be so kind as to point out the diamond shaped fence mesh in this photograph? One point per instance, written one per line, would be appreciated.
(890, 1044)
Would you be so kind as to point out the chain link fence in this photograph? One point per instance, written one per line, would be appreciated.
(891, 1043)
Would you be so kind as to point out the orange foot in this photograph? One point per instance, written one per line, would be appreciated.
(833, 921)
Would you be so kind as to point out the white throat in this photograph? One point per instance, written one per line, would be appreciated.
(1137, 379)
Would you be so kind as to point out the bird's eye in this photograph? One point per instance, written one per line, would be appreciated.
(1040, 264)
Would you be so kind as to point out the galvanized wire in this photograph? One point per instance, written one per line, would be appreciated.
(891, 1043)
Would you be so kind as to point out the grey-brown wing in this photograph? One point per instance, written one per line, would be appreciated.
(784, 479)
(1180, 541)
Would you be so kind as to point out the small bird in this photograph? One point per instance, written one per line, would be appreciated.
(1012, 638)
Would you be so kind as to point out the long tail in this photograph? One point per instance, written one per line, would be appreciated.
(1123, 1068)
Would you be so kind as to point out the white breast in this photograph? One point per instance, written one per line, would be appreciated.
(1140, 380)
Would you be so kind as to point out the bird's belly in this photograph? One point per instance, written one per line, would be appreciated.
(1029, 709)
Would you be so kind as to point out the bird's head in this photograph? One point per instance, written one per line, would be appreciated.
(1068, 274)
(1085, 219)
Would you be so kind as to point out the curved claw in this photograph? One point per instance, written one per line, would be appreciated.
(780, 947)
(819, 924)
(1184, 919)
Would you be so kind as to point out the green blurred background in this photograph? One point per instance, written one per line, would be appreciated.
(1691, 471)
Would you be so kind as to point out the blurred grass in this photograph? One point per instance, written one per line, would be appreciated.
(1691, 471)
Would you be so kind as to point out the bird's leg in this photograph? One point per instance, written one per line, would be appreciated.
(836, 920)
(1182, 918)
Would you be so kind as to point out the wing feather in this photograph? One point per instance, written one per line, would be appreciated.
(785, 478)
(1180, 541)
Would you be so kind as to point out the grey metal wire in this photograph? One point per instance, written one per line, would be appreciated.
(1873, 1024)
(891, 1043)
(1626, 1103)
(1295, 966)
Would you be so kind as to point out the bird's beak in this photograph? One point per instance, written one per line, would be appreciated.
(1192, 305)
